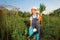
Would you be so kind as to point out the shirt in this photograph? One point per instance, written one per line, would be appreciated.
(34, 16)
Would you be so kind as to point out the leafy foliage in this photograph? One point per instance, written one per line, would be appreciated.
(15, 26)
(42, 8)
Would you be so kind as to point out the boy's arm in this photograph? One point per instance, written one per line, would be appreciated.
(40, 18)
(30, 23)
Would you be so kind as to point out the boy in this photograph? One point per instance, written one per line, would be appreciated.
(34, 23)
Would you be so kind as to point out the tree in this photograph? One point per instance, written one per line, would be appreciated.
(55, 12)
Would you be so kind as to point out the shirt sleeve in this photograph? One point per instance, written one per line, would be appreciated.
(31, 18)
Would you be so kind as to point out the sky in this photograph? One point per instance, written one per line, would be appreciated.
(26, 5)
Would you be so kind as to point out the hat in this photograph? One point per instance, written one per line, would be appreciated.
(34, 8)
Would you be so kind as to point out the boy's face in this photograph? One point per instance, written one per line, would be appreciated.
(33, 11)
